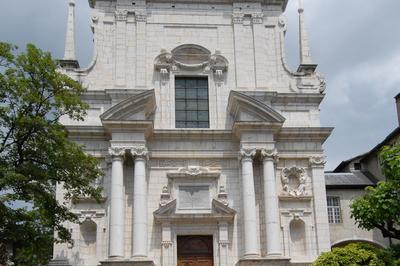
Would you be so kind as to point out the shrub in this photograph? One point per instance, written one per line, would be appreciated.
(355, 254)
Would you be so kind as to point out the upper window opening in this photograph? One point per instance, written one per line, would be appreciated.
(191, 102)
(334, 212)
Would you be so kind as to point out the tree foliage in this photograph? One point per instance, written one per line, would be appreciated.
(355, 254)
(35, 153)
(380, 206)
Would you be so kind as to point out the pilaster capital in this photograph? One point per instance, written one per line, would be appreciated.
(224, 243)
(257, 17)
(317, 161)
(141, 16)
(121, 15)
(166, 244)
(237, 17)
(139, 152)
(247, 153)
(116, 152)
(269, 155)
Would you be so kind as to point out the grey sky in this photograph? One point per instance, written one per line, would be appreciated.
(355, 42)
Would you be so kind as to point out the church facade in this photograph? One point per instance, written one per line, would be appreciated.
(211, 146)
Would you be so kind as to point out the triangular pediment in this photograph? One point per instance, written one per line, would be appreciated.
(245, 108)
(138, 107)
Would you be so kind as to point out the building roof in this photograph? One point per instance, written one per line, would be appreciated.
(355, 179)
(360, 157)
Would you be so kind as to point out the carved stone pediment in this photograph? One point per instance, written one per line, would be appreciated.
(138, 107)
(219, 212)
(190, 57)
(245, 108)
(194, 172)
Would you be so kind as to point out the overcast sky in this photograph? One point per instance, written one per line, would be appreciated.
(356, 44)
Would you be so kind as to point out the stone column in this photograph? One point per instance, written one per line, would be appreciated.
(320, 207)
(271, 207)
(249, 204)
(139, 202)
(117, 212)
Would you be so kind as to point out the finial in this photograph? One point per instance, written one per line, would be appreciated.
(301, 8)
(69, 60)
(306, 64)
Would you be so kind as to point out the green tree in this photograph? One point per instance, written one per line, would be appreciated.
(355, 254)
(380, 206)
(35, 153)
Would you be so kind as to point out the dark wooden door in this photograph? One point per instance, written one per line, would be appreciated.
(195, 251)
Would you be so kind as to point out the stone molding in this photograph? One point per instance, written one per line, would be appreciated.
(193, 171)
(317, 161)
(247, 154)
(300, 174)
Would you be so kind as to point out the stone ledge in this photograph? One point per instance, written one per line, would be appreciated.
(268, 261)
(59, 262)
(127, 263)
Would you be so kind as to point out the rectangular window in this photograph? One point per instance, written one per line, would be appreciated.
(194, 197)
(334, 213)
(191, 102)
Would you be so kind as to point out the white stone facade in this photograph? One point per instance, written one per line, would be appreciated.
(253, 180)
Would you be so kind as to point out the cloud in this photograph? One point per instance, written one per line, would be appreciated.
(354, 42)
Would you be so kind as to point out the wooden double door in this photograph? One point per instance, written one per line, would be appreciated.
(195, 251)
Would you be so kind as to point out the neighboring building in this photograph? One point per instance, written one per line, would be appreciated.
(348, 182)
(191, 105)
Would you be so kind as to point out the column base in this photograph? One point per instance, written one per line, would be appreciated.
(127, 262)
(266, 261)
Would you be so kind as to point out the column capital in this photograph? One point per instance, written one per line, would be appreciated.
(269, 155)
(247, 153)
(139, 152)
(116, 152)
(317, 161)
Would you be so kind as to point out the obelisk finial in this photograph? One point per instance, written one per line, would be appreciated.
(306, 63)
(69, 52)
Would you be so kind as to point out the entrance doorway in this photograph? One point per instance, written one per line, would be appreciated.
(195, 250)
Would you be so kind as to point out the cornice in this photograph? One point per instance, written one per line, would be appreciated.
(319, 134)
(282, 3)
